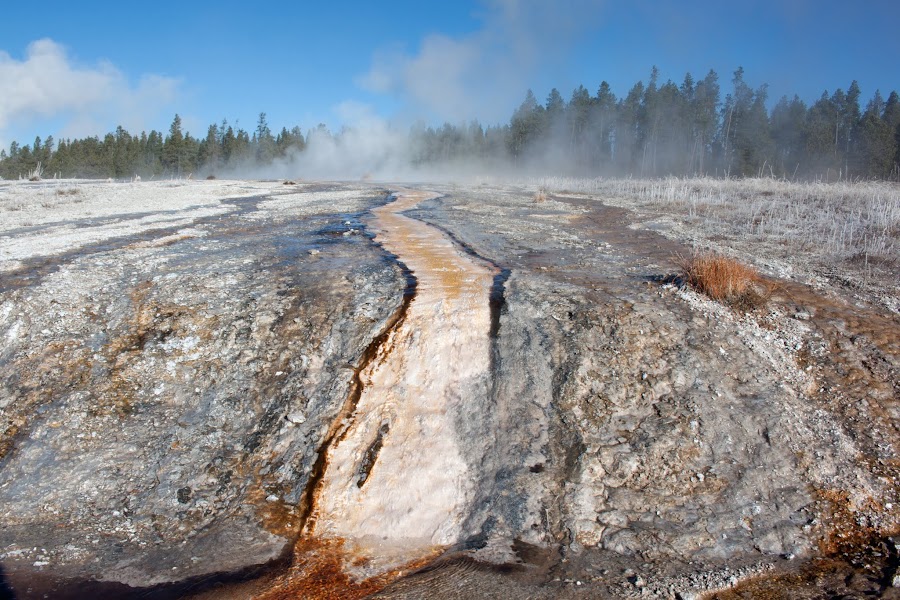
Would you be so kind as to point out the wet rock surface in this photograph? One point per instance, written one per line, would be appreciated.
(164, 402)
(645, 432)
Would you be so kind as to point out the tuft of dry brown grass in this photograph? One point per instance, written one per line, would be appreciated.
(540, 195)
(724, 279)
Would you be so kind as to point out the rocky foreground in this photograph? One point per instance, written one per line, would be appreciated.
(190, 404)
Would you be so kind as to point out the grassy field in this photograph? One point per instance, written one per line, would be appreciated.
(846, 232)
(842, 220)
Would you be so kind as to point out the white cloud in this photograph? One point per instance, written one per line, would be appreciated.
(89, 100)
(483, 74)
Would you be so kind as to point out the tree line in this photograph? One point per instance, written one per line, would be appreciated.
(656, 129)
(178, 154)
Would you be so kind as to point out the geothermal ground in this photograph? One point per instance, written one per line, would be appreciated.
(236, 389)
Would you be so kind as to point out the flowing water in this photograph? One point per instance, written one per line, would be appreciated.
(394, 487)
(396, 484)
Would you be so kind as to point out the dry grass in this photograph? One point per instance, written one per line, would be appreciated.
(37, 173)
(724, 279)
(832, 221)
(540, 195)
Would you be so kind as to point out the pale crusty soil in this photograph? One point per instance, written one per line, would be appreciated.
(174, 355)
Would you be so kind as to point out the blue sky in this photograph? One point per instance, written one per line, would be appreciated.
(73, 69)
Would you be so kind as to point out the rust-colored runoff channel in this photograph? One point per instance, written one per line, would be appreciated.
(390, 488)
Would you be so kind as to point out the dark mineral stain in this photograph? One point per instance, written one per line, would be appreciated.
(371, 455)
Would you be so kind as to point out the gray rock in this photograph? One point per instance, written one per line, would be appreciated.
(164, 404)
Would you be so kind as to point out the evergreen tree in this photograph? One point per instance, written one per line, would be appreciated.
(876, 141)
(628, 132)
(525, 125)
(61, 162)
(703, 109)
(124, 155)
(753, 147)
(190, 154)
(297, 141)
(579, 115)
(555, 104)
(474, 141)
(672, 139)
(265, 143)
(735, 110)
(850, 118)
(173, 148)
(821, 124)
(152, 163)
(603, 123)
(648, 123)
(788, 122)
(892, 119)
(242, 150)
(229, 147)
(210, 152)
(27, 161)
(37, 149)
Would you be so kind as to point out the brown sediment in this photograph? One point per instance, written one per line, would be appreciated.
(847, 533)
(151, 322)
(279, 517)
(868, 571)
(858, 377)
(318, 572)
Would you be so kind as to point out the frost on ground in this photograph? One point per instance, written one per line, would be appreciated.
(845, 234)
(175, 355)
